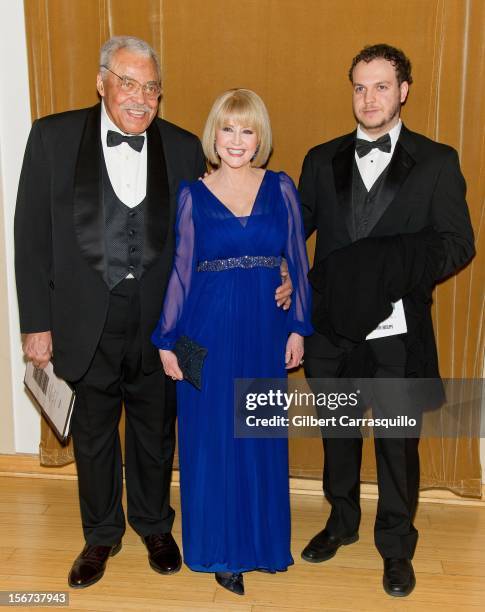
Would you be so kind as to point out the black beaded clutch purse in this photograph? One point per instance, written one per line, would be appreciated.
(190, 357)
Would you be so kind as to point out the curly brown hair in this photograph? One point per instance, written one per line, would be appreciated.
(397, 58)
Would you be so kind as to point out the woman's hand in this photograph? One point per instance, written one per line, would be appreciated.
(170, 365)
(294, 351)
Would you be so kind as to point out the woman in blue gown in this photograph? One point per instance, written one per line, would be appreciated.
(233, 227)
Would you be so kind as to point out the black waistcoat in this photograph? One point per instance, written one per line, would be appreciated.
(124, 229)
(364, 203)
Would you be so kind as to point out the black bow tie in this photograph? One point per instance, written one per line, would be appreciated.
(365, 146)
(113, 139)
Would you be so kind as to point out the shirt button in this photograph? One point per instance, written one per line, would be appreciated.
(132, 213)
(132, 249)
(131, 233)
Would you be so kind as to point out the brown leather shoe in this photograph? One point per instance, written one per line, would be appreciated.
(89, 566)
(163, 553)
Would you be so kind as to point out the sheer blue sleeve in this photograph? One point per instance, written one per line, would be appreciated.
(299, 315)
(166, 333)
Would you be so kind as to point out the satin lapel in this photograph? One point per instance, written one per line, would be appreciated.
(342, 165)
(157, 207)
(87, 205)
(399, 168)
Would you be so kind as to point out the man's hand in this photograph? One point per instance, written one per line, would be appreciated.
(38, 348)
(284, 291)
(170, 364)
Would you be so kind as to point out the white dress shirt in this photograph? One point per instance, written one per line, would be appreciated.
(127, 169)
(372, 165)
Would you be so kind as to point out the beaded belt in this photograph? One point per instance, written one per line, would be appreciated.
(247, 261)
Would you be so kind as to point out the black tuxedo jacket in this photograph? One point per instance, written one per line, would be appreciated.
(59, 232)
(424, 188)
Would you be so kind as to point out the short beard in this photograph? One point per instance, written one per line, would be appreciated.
(395, 112)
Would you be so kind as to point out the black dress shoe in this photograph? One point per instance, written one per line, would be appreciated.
(231, 582)
(163, 553)
(398, 579)
(89, 566)
(324, 546)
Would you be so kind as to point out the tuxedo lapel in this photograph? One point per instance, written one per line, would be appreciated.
(342, 165)
(399, 168)
(157, 209)
(87, 204)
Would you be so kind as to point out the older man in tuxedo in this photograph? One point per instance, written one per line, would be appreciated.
(381, 193)
(94, 243)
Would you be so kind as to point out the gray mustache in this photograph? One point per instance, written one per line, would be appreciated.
(136, 107)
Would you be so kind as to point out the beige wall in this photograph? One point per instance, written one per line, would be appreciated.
(19, 420)
(7, 438)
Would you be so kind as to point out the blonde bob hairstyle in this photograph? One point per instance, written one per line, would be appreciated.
(243, 107)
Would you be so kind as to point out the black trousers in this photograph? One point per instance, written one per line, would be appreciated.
(397, 462)
(115, 377)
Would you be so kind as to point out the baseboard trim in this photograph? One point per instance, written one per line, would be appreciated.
(27, 466)
(303, 486)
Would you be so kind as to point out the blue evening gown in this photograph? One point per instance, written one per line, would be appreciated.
(234, 491)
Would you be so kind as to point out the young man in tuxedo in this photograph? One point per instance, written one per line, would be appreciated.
(94, 239)
(369, 194)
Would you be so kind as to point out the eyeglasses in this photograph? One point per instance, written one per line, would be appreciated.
(151, 89)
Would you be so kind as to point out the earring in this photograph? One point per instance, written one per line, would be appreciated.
(255, 153)
(215, 150)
